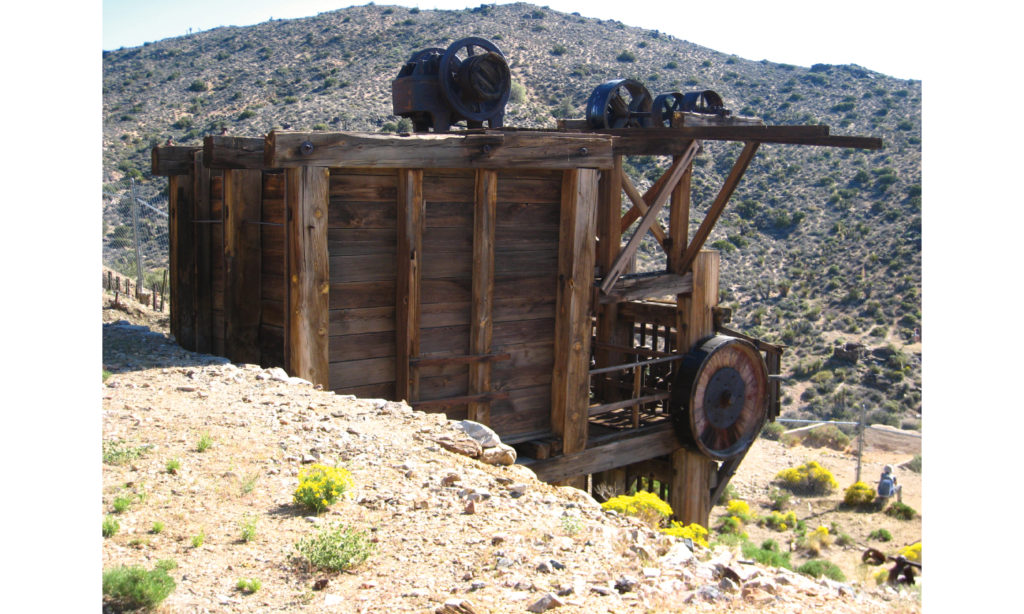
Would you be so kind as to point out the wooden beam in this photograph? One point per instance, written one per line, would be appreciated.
(203, 295)
(494, 150)
(679, 222)
(410, 221)
(690, 491)
(485, 207)
(648, 287)
(661, 314)
(306, 196)
(182, 276)
(738, 168)
(243, 197)
(674, 173)
(233, 152)
(641, 206)
(486, 399)
(570, 381)
(634, 213)
(610, 331)
(672, 141)
(643, 445)
(168, 161)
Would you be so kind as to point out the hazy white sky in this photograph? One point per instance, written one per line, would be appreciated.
(883, 36)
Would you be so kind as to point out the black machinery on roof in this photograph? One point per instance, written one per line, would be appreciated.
(470, 81)
(626, 103)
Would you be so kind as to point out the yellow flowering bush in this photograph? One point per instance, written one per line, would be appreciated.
(818, 540)
(881, 576)
(740, 509)
(912, 552)
(644, 505)
(858, 494)
(808, 479)
(779, 521)
(320, 486)
(693, 531)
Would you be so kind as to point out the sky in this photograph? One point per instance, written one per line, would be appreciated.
(878, 35)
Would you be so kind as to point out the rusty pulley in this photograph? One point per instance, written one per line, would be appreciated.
(719, 397)
(469, 81)
(626, 103)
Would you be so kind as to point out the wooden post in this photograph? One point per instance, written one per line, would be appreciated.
(243, 191)
(182, 231)
(485, 207)
(694, 472)
(203, 301)
(411, 217)
(306, 194)
(570, 382)
(609, 240)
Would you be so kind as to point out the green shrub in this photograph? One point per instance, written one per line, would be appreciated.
(173, 466)
(122, 503)
(335, 548)
(645, 505)
(204, 443)
(158, 528)
(248, 585)
(118, 452)
(881, 535)
(807, 479)
(320, 486)
(197, 540)
(517, 93)
(778, 521)
(198, 86)
(827, 436)
(626, 56)
(246, 114)
(110, 525)
(859, 494)
(901, 511)
(914, 464)
(767, 554)
(248, 528)
(773, 431)
(817, 568)
(132, 588)
(559, 49)
(779, 499)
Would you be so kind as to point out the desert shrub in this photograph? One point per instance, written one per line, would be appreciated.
(778, 521)
(248, 585)
(881, 535)
(858, 494)
(626, 56)
(110, 526)
(828, 436)
(246, 114)
(914, 464)
(517, 93)
(807, 479)
(559, 49)
(881, 576)
(173, 466)
(901, 511)
(912, 552)
(644, 505)
(335, 548)
(198, 86)
(767, 554)
(199, 538)
(728, 494)
(132, 588)
(779, 499)
(247, 526)
(204, 443)
(740, 509)
(731, 525)
(320, 486)
(773, 430)
(817, 568)
(118, 452)
(693, 532)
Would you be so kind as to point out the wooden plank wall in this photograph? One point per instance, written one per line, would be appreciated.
(273, 287)
(216, 263)
(362, 246)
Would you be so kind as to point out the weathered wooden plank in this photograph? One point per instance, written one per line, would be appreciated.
(203, 296)
(711, 218)
(182, 276)
(679, 222)
(308, 274)
(369, 267)
(492, 150)
(384, 390)
(242, 197)
(674, 173)
(641, 206)
(410, 221)
(168, 161)
(662, 314)
(233, 152)
(360, 241)
(482, 317)
(364, 185)
(648, 443)
(354, 373)
(648, 287)
(570, 381)
(272, 261)
(360, 214)
(272, 312)
(609, 239)
(362, 294)
(362, 320)
(361, 346)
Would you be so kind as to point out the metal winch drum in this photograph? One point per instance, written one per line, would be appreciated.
(626, 103)
(719, 397)
(470, 81)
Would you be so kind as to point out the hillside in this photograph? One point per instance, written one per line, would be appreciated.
(820, 246)
(443, 528)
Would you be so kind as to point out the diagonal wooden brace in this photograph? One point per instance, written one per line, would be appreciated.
(674, 174)
(640, 204)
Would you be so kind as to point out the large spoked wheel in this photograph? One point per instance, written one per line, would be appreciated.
(665, 105)
(619, 103)
(475, 79)
(720, 397)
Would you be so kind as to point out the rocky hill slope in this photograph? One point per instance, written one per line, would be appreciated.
(443, 528)
(820, 247)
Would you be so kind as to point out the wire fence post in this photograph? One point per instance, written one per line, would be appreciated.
(138, 243)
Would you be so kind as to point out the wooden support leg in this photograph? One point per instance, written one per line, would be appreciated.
(306, 193)
(183, 264)
(203, 300)
(690, 495)
(481, 319)
(243, 196)
(411, 219)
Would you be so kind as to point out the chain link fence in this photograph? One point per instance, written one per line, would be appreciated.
(135, 239)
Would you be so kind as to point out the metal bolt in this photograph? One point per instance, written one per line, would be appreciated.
(306, 148)
(583, 151)
(486, 149)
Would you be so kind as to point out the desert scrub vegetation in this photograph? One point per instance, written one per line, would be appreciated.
(817, 568)
(248, 585)
(644, 505)
(119, 452)
(320, 486)
(767, 554)
(807, 479)
(828, 436)
(693, 531)
(773, 431)
(204, 443)
(901, 511)
(881, 535)
(778, 521)
(133, 588)
(859, 495)
(912, 552)
(110, 526)
(335, 548)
